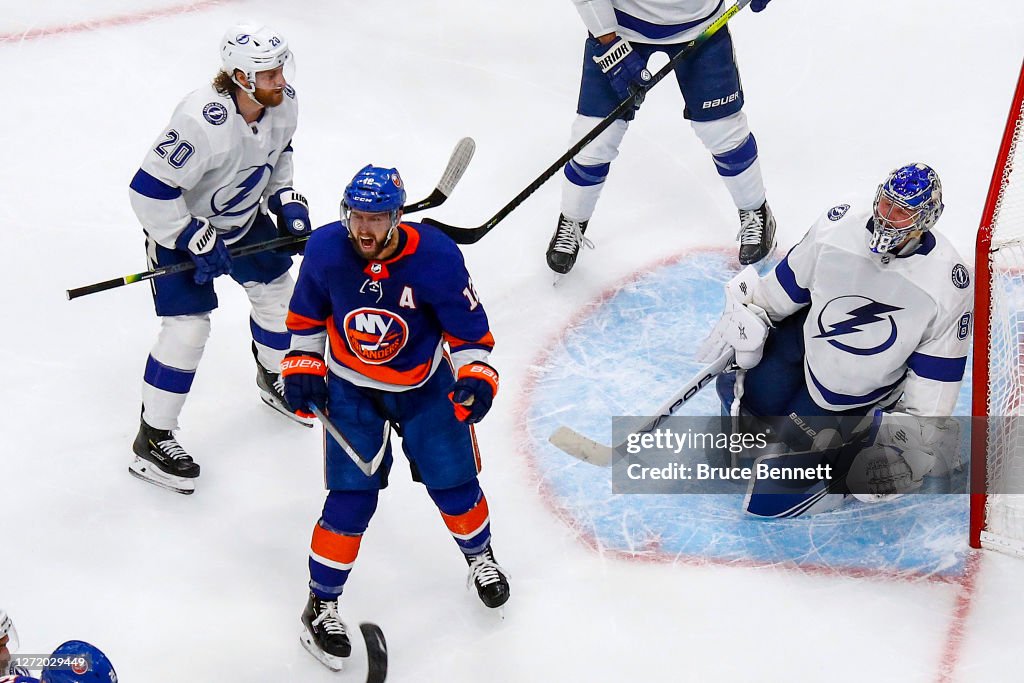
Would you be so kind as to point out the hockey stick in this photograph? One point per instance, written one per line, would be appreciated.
(588, 450)
(457, 163)
(376, 652)
(472, 235)
(368, 468)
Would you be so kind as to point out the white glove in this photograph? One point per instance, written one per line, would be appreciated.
(743, 325)
(937, 437)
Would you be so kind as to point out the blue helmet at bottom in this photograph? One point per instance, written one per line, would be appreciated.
(375, 190)
(88, 665)
(916, 189)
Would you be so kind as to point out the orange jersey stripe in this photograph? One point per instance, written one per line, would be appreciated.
(298, 323)
(380, 373)
(468, 523)
(335, 547)
(454, 342)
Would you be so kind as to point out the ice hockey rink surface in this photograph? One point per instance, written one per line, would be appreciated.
(605, 588)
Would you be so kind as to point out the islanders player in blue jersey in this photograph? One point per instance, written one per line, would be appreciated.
(376, 303)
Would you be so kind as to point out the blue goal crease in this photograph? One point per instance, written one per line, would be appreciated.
(626, 358)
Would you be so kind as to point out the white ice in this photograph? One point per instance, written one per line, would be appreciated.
(209, 587)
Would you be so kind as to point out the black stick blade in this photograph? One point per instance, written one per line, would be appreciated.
(376, 652)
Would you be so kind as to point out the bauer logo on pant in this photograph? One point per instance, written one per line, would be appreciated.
(374, 335)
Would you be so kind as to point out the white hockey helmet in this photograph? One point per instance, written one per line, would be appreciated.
(251, 48)
(8, 632)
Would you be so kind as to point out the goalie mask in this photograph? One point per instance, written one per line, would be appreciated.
(907, 204)
(251, 48)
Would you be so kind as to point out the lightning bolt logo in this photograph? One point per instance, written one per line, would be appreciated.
(245, 194)
(857, 321)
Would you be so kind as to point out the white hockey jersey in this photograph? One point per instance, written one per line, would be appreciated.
(876, 323)
(209, 162)
(657, 22)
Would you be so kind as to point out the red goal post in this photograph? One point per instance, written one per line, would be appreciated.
(997, 434)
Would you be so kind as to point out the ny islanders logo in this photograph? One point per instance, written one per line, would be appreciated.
(864, 326)
(374, 335)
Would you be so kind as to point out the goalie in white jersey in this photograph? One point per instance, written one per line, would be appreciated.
(623, 36)
(869, 313)
(207, 182)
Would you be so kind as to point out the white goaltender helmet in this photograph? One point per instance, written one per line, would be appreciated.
(251, 48)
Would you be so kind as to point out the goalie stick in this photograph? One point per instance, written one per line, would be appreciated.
(473, 235)
(588, 450)
(457, 163)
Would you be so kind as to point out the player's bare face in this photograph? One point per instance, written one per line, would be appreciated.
(270, 87)
(369, 234)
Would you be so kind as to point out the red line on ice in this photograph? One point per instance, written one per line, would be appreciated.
(953, 648)
(97, 24)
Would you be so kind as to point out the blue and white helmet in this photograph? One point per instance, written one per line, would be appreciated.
(251, 48)
(914, 188)
(88, 665)
(374, 190)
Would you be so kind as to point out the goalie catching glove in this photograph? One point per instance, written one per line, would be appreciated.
(474, 391)
(305, 381)
(743, 326)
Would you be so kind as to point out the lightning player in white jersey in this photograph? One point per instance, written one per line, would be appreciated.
(623, 36)
(207, 182)
(872, 313)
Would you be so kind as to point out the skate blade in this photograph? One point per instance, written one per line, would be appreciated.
(304, 421)
(558, 277)
(147, 471)
(330, 661)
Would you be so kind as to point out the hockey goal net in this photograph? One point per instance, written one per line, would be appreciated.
(997, 435)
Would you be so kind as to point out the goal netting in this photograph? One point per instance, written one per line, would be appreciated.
(997, 451)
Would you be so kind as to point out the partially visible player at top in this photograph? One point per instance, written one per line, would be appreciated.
(388, 332)
(207, 182)
(623, 34)
(869, 313)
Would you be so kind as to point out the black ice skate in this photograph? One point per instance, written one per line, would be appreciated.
(325, 635)
(757, 234)
(565, 244)
(488, 577)
(271, 386)
(160, 460)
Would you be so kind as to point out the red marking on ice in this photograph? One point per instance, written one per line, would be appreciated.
(107, 22)
(652, 552)
(953, 648)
